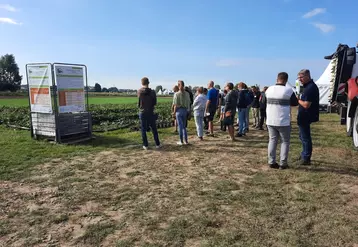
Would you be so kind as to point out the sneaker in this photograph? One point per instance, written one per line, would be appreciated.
(145, 148)
(238, 135)
(274, 166)
(201, 138)
(180, 143)
(283, 167)
(186, 143)
(158, 147)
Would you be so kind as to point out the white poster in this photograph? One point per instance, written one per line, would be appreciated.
(70, 81)
(39, 78)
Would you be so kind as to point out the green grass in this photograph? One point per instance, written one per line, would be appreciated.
(92, 100)
(109, 192)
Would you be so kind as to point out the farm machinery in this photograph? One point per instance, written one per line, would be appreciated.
(343, 87)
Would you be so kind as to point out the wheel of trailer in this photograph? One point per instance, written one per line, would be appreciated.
(355, 130)
(349, 121)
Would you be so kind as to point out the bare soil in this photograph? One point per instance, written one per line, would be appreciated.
(210, 193)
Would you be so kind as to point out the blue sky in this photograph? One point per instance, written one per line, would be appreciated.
(121, 41)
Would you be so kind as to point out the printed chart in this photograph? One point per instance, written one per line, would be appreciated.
(39, 78)
(70, 81)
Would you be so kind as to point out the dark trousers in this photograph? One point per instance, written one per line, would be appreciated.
(148, 120)
(206, 123)
(306, 139)
(262, 118)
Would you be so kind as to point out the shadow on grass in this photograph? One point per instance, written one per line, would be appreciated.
(110, 142)
(329, 167)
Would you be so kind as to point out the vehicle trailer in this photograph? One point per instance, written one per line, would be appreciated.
(344, 88)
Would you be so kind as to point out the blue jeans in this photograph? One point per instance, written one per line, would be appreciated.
(199, 120)
(242, 120)
(247, 118)
(306, 139)
(181, 115)
(148, 120)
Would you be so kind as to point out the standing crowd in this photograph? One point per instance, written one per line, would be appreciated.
(271, 106)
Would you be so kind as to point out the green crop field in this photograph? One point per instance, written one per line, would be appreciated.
(92, 100)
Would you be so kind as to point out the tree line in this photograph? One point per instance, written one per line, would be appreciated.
(10, 79)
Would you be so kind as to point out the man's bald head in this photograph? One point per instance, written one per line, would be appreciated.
(211, 84)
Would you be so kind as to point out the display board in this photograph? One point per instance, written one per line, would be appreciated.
(39, 78)
(70, 81)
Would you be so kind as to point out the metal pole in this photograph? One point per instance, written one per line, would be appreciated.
(28, 88)
(55, 103)
(89, 116)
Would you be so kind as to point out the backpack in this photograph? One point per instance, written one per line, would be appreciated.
(249, 98)
(245, 99)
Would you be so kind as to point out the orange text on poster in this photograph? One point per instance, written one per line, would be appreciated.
(62, 96)
(34, 91)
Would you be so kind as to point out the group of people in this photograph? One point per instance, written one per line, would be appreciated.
(273, 104)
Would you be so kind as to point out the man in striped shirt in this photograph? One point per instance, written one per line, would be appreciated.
(279, 101)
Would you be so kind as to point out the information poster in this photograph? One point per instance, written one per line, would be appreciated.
(39, 78)
(70, 81)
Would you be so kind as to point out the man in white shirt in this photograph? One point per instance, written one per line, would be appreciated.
(279, 101)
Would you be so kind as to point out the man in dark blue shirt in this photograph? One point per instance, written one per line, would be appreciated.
(308, 112)
(211, 106)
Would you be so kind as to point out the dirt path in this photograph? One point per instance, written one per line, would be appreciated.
(210, 193)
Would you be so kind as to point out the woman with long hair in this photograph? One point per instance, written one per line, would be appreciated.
(182, 109)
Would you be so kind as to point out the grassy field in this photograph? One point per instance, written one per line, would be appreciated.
(21, 101)
(109, 192)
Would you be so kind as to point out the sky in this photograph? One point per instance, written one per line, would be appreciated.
(121, 41)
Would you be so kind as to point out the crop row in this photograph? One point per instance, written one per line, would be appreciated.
(104, 117)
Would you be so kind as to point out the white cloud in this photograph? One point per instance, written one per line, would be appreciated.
(8, 7)
(228, 63)
(9, 21)
(325, 28)
(314, 12)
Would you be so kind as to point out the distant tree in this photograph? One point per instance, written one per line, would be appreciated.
(158, 88)
(217, 87)
(97, 87)
(105, 90)
(10, 79)
(113, 90)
